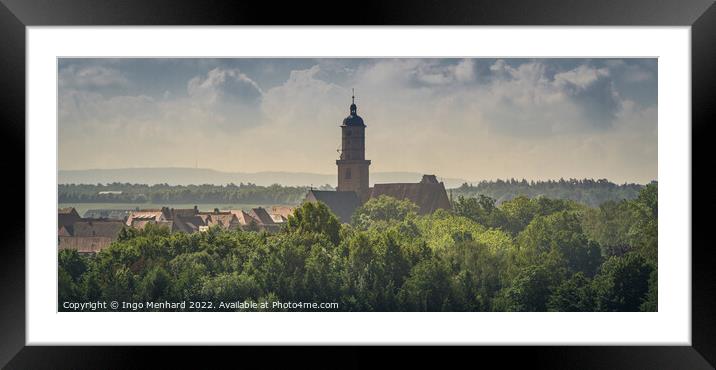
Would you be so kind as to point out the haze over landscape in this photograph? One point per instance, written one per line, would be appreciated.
(188, 176)
(470, 119)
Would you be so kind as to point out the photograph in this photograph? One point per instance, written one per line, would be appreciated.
(234, 180)
(363, 184)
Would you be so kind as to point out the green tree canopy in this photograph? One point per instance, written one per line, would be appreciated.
(383, 208)
(314, 217)
(623, 283)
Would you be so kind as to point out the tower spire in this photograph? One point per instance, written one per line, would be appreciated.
(353, 103)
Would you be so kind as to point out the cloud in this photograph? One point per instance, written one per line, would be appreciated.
(525, 100)
(306, 99)
(469, 118)
(465, 70)
(91, 110)
(224, 84)
(91, 77)
(580, 77)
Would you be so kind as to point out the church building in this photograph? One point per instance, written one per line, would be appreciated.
(353, 178)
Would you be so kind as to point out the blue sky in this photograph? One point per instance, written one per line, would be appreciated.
(469, 118)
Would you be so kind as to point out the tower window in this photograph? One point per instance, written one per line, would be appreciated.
(348, 174)
(348, 132)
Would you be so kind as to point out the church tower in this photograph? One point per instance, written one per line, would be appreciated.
(352, 165)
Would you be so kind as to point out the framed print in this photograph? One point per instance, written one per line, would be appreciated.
(418, 177)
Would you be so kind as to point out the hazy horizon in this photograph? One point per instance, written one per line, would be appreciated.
(472, 119)
(333, 181)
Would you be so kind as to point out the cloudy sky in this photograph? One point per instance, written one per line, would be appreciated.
(467, 118)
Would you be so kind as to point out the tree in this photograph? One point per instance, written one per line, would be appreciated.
(427, 288)
(119, 285)
(315, 217)
(383, 208)
(156, 285)
(362, 273)
(644, 234)
(322, 277)
(561, 231)
(651, 303)
(71, 269)
(532, 287)
(573, 294)
(609, 226)
(476, 271)
(395, 264)
(622, 283)
(518, 212)
(396, 260)
(72, 263)
(230, 287)
(67, 289)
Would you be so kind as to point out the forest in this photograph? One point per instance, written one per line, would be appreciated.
(524, 254)
(586, 191)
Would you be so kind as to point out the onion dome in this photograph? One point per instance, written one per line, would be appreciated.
(353, 119)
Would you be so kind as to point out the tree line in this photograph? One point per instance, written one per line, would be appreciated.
(524, 254)
(586, 191)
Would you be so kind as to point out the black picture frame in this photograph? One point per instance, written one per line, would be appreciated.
(15, 15)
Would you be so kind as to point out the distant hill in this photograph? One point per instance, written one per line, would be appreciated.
(188, 176)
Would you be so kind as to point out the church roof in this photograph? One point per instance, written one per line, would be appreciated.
(341, 203)
(353, 118)
(429, 194)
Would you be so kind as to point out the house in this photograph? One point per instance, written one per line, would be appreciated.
(280, 213)
(111, 214)
(187, 223)
(265, 221)
(277, 219)
(140, 219)
(223, 219)
(185, 220)
(245, 219)
(89, 236)
(66, 217)
(257, 219)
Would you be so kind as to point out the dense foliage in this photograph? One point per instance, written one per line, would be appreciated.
(587, 191)
(521, 255)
